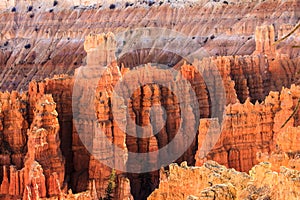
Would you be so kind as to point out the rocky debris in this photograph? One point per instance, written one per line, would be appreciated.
(214, 181)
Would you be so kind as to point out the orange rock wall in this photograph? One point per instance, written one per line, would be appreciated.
(57, 47)
(57, 37)
(249, 129)
(242, 75)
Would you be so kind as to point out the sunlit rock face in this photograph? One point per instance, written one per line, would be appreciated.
(214, 181)
(43, 154)
(251, 129)
(40, 40)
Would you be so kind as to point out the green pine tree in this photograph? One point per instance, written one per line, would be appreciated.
(111, 186)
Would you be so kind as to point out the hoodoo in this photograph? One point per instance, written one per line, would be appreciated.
(153, 100)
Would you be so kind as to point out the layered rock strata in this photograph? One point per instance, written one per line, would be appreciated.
(39, 41)
(244, 76)
(241, 81)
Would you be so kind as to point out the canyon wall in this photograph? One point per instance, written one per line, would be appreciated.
(52, 40)
(245, 79)
(44, 42)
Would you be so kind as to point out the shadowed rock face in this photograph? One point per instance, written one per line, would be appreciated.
(57, 42)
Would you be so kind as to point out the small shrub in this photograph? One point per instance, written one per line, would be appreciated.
(31, 15)
(29, 8)
(212, 37)
(112, 6)
(55, 2)
(111, 186)
(127, 4)
(150, 3)
(13, 9)
(27, 46)
(6, 43)
(225, 2)
(51, 10)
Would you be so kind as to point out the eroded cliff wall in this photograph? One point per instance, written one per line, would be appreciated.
(43, 41)
(49, 41)
(249, 129)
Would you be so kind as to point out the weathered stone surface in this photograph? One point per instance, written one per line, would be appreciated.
(60, 87)
(49, 40)
(222, 29)
(214, 181)
(181, 181)
(13, 127)
(278, 159)
(260, 131)
(265, 38)
(124, 189)
(42, 173)
(44, 146)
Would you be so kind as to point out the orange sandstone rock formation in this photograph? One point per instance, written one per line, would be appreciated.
(42, 173)
(13, 128)
(231, 152)
(249, 65)
(236, 144)
(214, 181)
